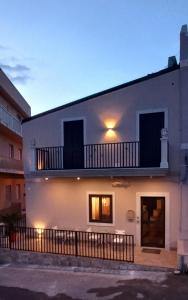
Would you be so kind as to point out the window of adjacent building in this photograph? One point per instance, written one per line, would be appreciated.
(18, 192)
(11, 151)
(8, 193)
(100, 208)
(20, 154)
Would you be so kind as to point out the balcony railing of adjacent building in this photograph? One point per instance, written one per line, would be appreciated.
(92, 156)
(10, 121)
(10, 164)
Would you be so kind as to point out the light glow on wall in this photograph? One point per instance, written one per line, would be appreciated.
(39, 165)
(39, 228)
(111, 134)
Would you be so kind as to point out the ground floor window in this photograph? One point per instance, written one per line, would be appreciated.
(8, 194)
(100, 208)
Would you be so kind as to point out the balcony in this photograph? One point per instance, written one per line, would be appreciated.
(109, 156)
(92, 156)
(9, 165)
(10, 121)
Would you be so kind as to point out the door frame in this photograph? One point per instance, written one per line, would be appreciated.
(167, 216)
(73, 119)
(148, 111)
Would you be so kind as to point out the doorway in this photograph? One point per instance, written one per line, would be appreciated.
(73, 150)
(153, 221)
(150, 125)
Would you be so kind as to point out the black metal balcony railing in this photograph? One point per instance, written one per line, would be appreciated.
(95, 156)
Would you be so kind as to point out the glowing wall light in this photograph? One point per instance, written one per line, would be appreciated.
(39, 227)
(110, 125)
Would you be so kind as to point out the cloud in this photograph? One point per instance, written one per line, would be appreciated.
(3, 47)
(18, 73)
(21, 79)
(16, 68)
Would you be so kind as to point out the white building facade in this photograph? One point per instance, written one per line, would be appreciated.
(115, 160)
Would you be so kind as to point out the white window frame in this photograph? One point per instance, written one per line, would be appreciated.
(113, 208)
(148, 111)
(69, 120)
(167, 216)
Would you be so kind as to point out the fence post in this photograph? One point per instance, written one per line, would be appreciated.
(10, 240)
(76, 243)
(103, 248)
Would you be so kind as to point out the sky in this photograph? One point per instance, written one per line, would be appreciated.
(57, 51)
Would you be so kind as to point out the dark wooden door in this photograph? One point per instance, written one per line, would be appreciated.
(153, 222)
(150, 134)
(73, 153)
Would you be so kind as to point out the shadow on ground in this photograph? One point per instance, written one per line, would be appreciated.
(10, 293)
(175, 287)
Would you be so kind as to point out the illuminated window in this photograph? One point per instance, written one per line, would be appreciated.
(100, 208)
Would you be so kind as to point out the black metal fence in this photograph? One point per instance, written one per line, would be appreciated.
(96, 156)
(67, 242)
(112, 155)
(21, 222)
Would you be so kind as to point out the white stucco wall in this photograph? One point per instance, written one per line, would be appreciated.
(122, 106)
(64, 203)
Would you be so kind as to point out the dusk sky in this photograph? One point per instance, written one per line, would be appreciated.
(57, 51)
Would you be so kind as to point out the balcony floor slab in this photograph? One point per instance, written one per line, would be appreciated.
(132, 172)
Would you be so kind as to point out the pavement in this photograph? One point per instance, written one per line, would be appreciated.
(32, 282)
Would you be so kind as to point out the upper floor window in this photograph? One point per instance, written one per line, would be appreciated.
(11, 151)
(100, 208)
(20, 154)
(8, 194)
(18, 192)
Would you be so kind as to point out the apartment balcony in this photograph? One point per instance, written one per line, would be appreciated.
(114, 159)
(9, 121)
(11, 166)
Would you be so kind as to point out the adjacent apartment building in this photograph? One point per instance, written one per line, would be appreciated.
(13, 109)
(115, 160)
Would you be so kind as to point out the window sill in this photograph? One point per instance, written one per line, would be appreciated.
(100, 224)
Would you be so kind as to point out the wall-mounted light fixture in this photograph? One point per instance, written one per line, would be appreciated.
(110, 125)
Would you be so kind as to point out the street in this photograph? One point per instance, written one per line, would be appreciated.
(39, 283)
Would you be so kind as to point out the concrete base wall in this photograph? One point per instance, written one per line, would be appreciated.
(34, 258)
